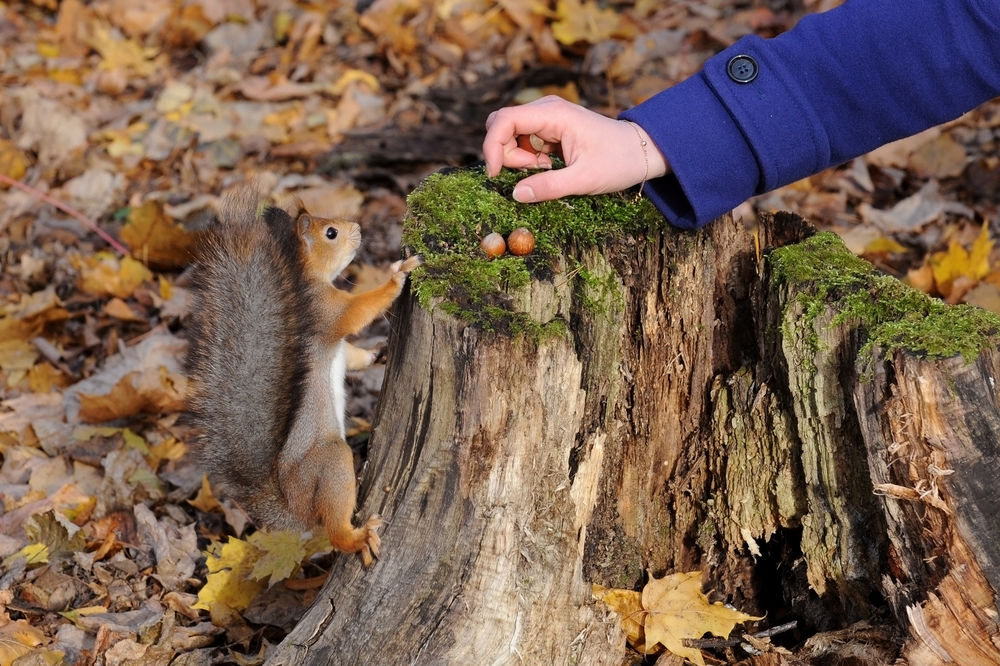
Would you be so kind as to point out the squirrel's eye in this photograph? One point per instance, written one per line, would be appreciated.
(331, 232)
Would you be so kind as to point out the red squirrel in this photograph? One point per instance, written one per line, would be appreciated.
(267, 361)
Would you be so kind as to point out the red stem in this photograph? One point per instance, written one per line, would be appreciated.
(86, 221)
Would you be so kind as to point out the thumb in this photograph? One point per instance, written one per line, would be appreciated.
(548, 185)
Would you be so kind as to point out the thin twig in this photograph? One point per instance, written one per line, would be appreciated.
(731, 642)
(86, 221)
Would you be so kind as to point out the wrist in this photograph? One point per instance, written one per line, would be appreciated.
(655, 163)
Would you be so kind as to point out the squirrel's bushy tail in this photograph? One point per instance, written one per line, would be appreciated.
(248, 361)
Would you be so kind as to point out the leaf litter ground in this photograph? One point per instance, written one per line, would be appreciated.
(140, 116)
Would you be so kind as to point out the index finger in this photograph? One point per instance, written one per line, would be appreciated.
(505, 125)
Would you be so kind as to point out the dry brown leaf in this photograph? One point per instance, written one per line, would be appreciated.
(136, 392)
(913, 212)
(45, 377)
(984, 295)
(124, 54)
(587, 22)
(941, 157)
(119, 309)
(341, 202)
(388, 21)
(897, 153)
(145, 377)
(156, 238)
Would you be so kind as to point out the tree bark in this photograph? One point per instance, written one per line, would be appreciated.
(703, 415)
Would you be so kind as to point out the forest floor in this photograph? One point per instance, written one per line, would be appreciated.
(141, 116)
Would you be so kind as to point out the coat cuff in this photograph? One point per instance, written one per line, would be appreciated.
(712, 168)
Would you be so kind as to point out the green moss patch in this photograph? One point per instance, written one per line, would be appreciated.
(451, 211)
(891, 314)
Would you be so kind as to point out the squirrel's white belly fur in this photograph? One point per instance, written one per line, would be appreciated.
(338, 370)
(326, 395)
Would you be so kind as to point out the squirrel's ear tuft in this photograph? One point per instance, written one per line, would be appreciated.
(305, 219)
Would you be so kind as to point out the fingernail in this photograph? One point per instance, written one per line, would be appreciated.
(524, 194)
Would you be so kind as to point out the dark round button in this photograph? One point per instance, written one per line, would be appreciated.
(742, 69)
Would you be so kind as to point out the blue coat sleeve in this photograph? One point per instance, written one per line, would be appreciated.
(835, 86)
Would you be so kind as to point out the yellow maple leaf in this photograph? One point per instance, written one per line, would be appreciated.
(628, 604)
(677, 610)
(281, 553)
(229, 582)
(956, 262)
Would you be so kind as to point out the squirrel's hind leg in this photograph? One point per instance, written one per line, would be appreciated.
(321, 488)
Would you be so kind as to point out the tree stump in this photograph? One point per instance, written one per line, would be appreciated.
(816, 438)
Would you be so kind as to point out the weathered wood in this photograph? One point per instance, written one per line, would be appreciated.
(713, 412)
(932, 431)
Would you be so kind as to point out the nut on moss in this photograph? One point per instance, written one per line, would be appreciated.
(520, 242)
(493, 245)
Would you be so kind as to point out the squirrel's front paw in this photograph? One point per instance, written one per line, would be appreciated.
(407, 265)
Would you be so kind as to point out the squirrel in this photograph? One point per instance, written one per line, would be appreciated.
(267, 359)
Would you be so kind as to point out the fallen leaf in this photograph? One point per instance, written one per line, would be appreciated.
(884, 245)
(913, 212)
(281, 554)
(18, 639)
(941, 157)
(984, 295)
(157, 239)
(124, 54)
(341, 202)
(146, 377)
(897, 153)
(678, 610)
(17, 357)
(956, 262)
(205, 500)
(175, 547)
(13, 162)
(119, 309)
(228, 582)
(587, 22)
(59, 536)
(105, 275)
(628, 604)
(45, 377)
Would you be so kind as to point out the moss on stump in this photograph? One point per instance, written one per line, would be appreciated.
(890, 314)
(452, 210)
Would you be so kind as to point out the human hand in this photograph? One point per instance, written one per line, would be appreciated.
(601, 154)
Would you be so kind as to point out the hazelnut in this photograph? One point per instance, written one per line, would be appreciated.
(493, 245)
(530, 142)
(520, 241)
